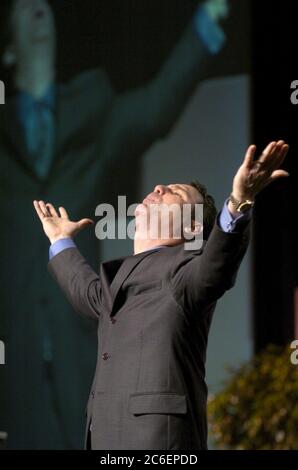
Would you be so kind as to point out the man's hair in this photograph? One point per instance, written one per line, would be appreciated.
(209, 208)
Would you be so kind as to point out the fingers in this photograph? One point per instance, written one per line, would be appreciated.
(272, 156)
(278, 174)
(52, 210)
(63, 213)
(272, 149)
(44, 209)
(41, 209)
(276, 159)
(268, 151)
(249, 156)
(48, 210)
(83, 222)
(283, 152)
(285, 149)
(278, 149)
(38, 210)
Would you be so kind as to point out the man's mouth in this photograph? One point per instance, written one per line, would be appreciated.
(150, 200)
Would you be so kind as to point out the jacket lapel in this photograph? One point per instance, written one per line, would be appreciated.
(114, 273)
(108, 271)
(12, 131)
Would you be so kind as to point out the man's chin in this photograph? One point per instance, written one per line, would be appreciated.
(141, 209)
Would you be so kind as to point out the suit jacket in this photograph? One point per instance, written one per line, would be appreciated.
(154, 311)
(41, 392)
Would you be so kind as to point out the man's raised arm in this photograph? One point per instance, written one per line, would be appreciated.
(205, 278)
(69, 268)
(148, 113)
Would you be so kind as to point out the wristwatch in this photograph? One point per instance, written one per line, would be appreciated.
(241, 206)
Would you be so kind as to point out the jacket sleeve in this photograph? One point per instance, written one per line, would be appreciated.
(203, 278)
(78, 281)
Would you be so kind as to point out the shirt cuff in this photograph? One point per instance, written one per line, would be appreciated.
(61, 245)
(228, 222)
(210, 33)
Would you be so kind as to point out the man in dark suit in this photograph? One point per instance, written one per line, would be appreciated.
(56, 141)
(154, 308)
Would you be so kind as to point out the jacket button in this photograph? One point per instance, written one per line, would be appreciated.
(113, 320)
(105, 356)
(92, 394)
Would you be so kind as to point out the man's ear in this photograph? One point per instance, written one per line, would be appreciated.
(9, 57)
(196, 229)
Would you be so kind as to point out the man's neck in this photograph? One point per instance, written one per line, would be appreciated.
(35, 77)
(141, 245)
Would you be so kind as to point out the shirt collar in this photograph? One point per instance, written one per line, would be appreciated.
(155, 248)
(25, 101)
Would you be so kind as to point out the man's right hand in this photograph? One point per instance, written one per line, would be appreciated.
(58, 226)
(218, 10)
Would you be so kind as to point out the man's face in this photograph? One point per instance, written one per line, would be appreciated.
(167, 202)
(33, 28)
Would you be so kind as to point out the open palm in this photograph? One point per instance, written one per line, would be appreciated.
(57, 226)
(255, 174)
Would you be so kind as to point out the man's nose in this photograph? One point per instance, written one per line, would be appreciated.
(160, 189)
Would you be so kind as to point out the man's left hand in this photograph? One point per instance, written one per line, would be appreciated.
(254, 175)
(218, 10)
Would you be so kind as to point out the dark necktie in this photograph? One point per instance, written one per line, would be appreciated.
(40, 137)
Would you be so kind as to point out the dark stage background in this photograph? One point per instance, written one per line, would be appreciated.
(274, 116)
